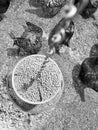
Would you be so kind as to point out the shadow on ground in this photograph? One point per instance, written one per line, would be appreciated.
(77, 84)
(45, 12)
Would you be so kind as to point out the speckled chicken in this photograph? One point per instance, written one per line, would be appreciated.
(29, 44)
(53, 3)
(53, 7)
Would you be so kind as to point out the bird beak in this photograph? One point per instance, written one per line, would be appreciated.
(15, 42)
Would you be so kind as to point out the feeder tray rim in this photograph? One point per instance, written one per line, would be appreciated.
(42, 102)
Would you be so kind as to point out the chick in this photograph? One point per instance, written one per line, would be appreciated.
(60, 35)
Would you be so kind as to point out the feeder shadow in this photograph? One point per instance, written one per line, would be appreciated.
(77, 84)
(18, 102)
(25, 107)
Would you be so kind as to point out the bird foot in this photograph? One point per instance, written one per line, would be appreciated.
(63, 49)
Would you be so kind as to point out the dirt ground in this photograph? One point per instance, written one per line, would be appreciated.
(70, 112)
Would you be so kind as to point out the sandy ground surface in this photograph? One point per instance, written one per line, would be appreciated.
(70, 112)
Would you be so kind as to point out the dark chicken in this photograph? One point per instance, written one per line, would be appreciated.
(4, 5)
(85, 76)
(81, 5)
(89, 73)
(86, 7)
(94, 51)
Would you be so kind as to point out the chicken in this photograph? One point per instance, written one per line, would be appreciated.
(60, 35)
